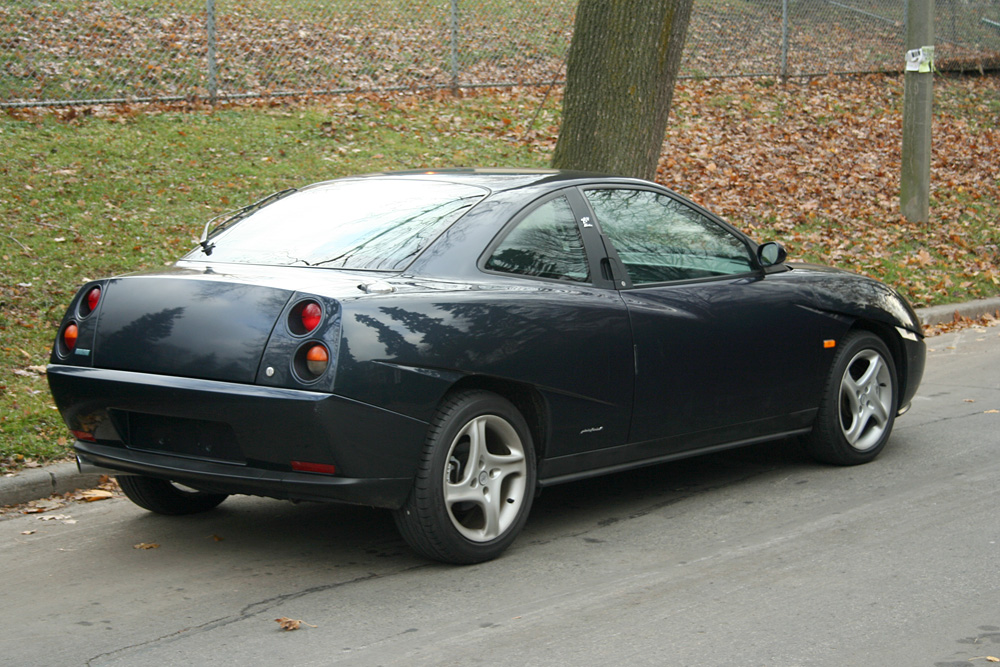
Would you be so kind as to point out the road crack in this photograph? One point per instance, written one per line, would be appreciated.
(249, 611)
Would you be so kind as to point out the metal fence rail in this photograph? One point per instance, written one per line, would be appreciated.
(89, 51)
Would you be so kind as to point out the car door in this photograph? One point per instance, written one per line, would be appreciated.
(723, 353)
(561, 300)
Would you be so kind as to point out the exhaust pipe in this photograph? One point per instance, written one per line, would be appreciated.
(86, 467)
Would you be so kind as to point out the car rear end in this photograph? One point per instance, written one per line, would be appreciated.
(224, 383)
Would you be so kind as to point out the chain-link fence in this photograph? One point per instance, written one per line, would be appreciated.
(63, 51)
(806, 37)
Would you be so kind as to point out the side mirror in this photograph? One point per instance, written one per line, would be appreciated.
(771, 254)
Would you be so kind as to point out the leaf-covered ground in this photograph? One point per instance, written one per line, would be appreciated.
(812, 163)
(815, 163)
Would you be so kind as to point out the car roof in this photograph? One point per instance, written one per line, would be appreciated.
(494, 179)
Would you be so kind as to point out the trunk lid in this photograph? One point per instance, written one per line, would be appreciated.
(195, 326)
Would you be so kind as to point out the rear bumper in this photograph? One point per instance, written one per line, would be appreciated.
(374, 451)
(221, 478)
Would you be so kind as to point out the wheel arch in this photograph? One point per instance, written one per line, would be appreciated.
(892, 341)
(525, 397)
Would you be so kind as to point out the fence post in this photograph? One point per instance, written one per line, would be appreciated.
(213, 87)
(454, 46)
(784, 39)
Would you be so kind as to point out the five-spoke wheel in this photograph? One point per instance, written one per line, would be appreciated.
(475, 483)
(859, 405)
(866, 400)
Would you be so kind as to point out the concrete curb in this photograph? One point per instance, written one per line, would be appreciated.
(40, 483)
(946, 313)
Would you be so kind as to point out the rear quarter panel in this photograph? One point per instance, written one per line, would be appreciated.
(573, 345)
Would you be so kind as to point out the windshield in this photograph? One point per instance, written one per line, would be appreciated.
(352, 224)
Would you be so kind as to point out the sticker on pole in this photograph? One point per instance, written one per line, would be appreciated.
(920, 60)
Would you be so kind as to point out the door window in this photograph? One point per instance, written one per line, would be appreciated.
(661, 239)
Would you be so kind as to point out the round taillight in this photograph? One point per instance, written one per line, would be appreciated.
(317, 359)
(311, 315)
(70, 334)
(93, 298)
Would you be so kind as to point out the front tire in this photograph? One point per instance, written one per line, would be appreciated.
(163, 497)
(475, 483)
(859, 405)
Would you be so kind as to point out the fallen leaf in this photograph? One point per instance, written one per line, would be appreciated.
(92, 495)
(27, 532)
(923, 258)
(145, 545)
(43, 505)
(290, 624)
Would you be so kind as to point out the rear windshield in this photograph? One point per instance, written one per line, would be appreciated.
(379, 224)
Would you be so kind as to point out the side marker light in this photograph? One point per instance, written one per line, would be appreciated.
(828, 344)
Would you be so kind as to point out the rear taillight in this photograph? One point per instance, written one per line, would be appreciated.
(93, 298)
(304, 350)
(311, 315)
(305, 317)
(69, 336)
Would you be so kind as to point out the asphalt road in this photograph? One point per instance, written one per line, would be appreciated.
(754, 557)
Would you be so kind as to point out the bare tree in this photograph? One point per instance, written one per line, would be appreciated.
(619, 84)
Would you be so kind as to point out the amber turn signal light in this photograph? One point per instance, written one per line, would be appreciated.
(317, 359)
(70, 334)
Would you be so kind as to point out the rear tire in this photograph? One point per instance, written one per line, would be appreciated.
(859, 405)
(163, 497)
(475, 483)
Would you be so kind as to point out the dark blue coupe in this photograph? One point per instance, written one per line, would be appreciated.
(443, 344)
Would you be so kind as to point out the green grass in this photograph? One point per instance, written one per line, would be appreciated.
(94, 196)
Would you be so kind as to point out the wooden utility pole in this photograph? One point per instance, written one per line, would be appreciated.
(918, 96)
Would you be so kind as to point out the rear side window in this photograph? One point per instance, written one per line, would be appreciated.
(660, 239)
(379, 224)
(546, 243)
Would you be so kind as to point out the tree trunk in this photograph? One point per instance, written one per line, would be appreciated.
(620, 76)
